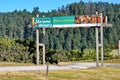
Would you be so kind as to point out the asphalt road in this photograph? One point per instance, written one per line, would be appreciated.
(53, 67)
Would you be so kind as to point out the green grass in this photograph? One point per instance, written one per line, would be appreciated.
(104, 73)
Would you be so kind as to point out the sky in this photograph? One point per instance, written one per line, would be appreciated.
(44, 5)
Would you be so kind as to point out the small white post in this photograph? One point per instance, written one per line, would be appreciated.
(106, 19)
(118, 48)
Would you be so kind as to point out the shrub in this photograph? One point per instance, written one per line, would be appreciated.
(88, 54)
(12, 51)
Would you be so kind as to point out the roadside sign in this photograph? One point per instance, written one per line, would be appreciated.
(48, 22)
(68, 21)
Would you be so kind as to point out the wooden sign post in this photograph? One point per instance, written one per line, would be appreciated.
(37, 46)
(43, 46)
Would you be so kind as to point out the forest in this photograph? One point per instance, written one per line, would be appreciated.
(17, 38)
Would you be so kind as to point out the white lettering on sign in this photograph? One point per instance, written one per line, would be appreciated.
(45, 25)
(43, 21)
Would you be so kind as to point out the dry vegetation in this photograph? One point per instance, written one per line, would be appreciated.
(104, 73)
(15, 64)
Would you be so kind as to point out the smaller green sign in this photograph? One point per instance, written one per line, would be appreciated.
(63, 20)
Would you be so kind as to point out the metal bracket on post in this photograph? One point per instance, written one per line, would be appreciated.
(100, 45)
(41, 44)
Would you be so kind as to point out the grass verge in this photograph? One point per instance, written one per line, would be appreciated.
(103, 73)
(2, 64)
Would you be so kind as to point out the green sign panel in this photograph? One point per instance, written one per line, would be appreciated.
(63, 20)
(48, 22)
(43, 22)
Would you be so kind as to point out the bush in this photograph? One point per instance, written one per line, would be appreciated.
(56, 56)
(107, 54)
(89, 54)
(12, 51)
(74, 55)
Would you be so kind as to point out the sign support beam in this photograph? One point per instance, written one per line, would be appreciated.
(97, 48)
(43, 46)
(101, 40)
(37, 46)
